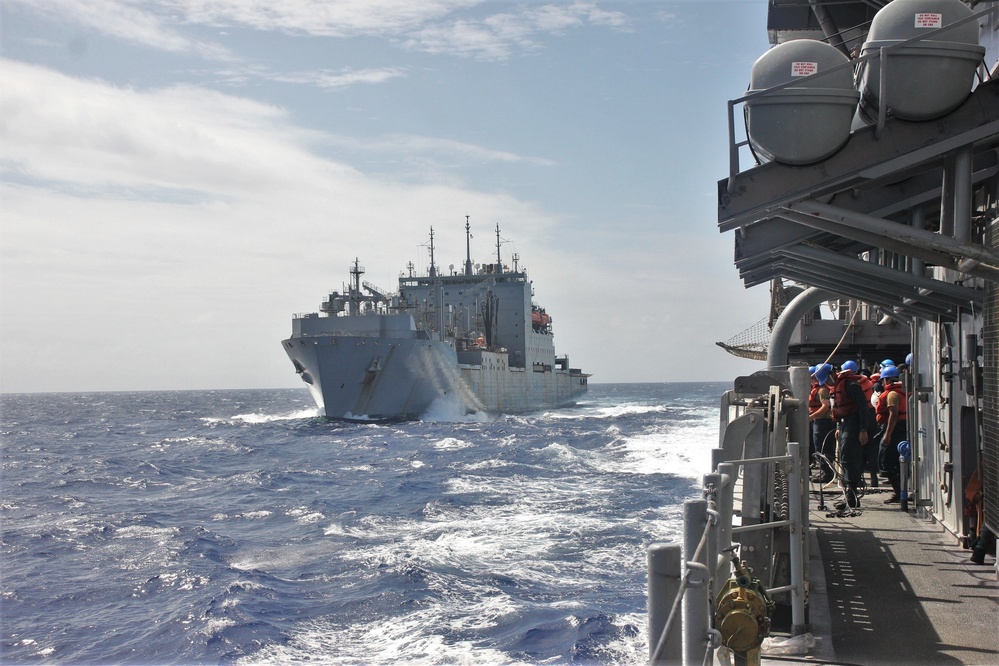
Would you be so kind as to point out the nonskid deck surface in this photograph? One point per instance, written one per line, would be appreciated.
(895, 589)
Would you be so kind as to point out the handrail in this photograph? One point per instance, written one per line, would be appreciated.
(716, 521)
(691, 566)
(881, 53)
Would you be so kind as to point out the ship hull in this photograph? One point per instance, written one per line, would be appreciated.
(380, 378)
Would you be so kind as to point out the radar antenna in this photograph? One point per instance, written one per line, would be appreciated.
(499, 260)
(433, 266)
(468, 247)
(356, 271)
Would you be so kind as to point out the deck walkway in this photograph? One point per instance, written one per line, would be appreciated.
(891, 588)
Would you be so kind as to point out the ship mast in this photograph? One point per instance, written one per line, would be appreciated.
(433, 266)
(356, 271)
(499, 260)
(468, 247)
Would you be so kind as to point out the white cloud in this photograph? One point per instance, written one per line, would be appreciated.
(334, 18)
(59, 128)
(496, 36)
(330, 80)
(146, 24)
(434, 26)
(434, 148)
(319, 78)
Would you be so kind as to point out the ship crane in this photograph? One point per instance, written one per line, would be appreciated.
(377, 292)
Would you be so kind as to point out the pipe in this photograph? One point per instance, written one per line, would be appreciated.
(799, 539)
(695, 601)
(780, 336)
(916, 265)
(828, 26)
(801, 385)
(947, 197)
(963, 167)
(664, 563)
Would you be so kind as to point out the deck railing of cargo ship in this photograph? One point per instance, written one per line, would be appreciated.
(756, 494)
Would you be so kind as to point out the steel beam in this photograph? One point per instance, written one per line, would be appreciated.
(914, 237)
(817, 279)
(956, 294)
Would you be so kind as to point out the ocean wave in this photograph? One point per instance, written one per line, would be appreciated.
(256, 417)
(507, 541)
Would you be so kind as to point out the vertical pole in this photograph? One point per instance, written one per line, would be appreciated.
(947, 198)
(801, 431)
(904, 451)
(714, 544)
(733, 151)
(695, 601)
(726, 503)
(665, 563)
(717, 458)
(962, 193)
(882, 91)
(798, 539)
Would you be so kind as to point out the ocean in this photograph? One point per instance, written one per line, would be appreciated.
(236, 527)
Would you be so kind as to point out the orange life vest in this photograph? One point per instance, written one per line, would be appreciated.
(842, 404)
(813, 398)
(866, 384)
(881, 410)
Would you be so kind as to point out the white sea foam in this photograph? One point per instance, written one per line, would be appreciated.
(451, 444)
(604, 412)
(257, 417)
(406, 639)
(449, 409)
(304, 516)
(681, 449)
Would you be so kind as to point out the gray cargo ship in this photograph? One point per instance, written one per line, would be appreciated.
(459, 342)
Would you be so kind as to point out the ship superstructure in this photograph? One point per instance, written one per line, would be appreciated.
(469, 341)
(864, 190)
(887, 213)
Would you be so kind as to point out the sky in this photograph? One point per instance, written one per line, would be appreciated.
(179, 177)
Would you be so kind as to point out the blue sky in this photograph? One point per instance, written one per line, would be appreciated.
(178, 177)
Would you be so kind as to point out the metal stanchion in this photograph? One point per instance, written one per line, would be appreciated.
(904, 456)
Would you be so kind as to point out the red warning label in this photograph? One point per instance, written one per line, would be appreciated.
(804, 68)
(929, 20)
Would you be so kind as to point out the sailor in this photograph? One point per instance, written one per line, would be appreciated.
(861, 378)
(853, 419)
(873, 448)
(891, 413)
(823, 427)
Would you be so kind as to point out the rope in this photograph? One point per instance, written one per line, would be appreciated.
(846, 329)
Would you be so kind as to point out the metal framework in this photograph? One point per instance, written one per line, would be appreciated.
(743, 507)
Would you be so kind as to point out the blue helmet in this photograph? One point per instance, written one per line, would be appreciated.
(908, 359)
(849, 366)
(889, 372)
(811, 370)
(885, 363)
(822, 373)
